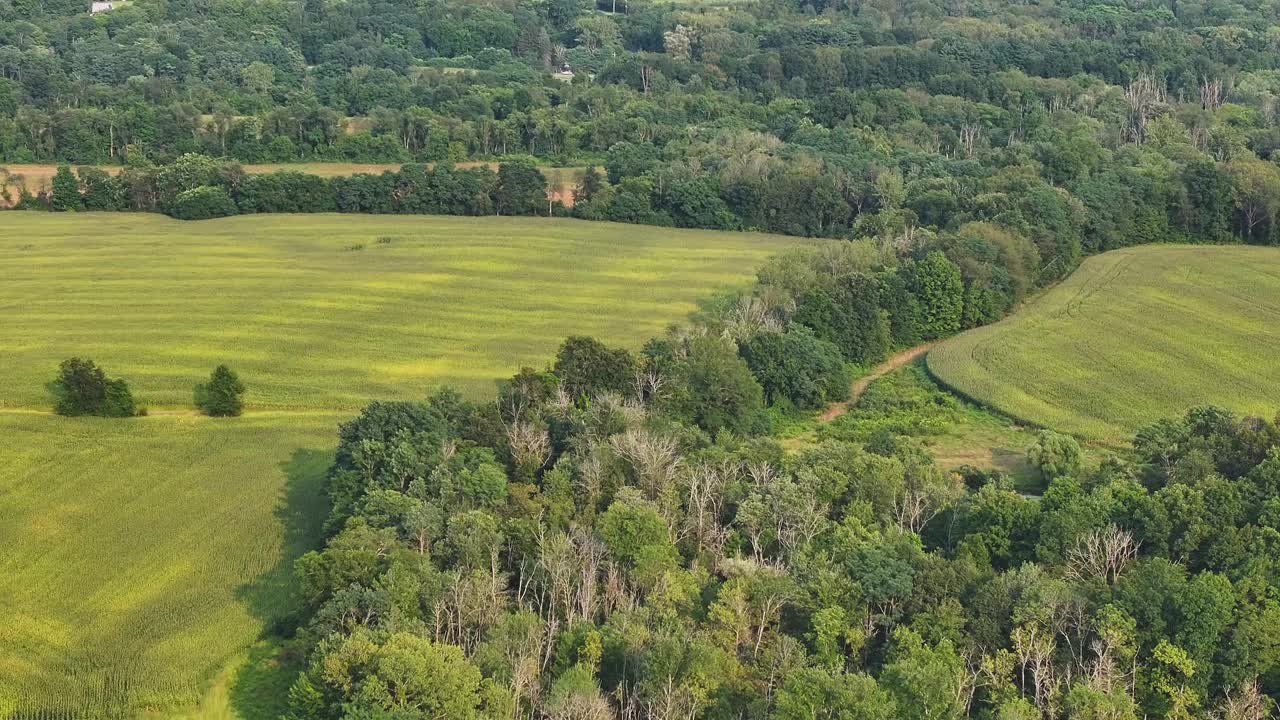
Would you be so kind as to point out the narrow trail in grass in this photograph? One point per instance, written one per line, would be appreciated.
(895, 361)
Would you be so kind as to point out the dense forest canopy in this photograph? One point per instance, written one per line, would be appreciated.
(1080, 125)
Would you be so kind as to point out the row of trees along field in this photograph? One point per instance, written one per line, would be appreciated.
(1076, 124)
(619, 536)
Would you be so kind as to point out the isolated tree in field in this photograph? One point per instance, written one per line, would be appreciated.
(1054, 454)
(222, 396)
(82, 388)
(66, 191)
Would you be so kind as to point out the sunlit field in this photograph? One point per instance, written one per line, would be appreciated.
(329, 311)
(143, 555)
(1133, 336)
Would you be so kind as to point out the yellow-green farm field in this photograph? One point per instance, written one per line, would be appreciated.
(1132, 336)
(328, 311)
(142, 557)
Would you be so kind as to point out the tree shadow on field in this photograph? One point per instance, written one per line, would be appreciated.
(260, 687)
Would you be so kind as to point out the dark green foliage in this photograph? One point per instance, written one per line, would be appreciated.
(66, 191)
(797, 367)
(592, 182)
(935, 282)
(102, 191)
(284, 192)
(521, 189)
(222, 395)
(586, 367)
(82, 388)
(630, 160)
(850, 317)
(902, 307)
(1206, 211)
(720, 393)
(202, 203)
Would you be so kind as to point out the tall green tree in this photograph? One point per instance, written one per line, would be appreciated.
(223, 395)
(66, 191)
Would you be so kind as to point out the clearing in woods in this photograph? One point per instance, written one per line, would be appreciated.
(143, 555)
(1134, 335)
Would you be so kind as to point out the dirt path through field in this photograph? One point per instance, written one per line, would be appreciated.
(860, 385)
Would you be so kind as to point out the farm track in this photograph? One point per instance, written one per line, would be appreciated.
(859, 386)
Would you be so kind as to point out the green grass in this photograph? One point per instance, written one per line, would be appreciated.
(142, 554)
(1132, 336)
(907, 402)
(144, 557)
(310, 324)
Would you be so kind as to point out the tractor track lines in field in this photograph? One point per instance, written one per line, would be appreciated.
(1129, 338)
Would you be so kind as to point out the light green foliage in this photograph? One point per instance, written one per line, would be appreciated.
(1054, 454)
(925, 680)
(405, 676)
(1130, 337)
(456, 301)
(202, 203)
(816, 694)
(938, 288)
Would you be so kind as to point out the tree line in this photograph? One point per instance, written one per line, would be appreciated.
(621, 536)
(1103, 126)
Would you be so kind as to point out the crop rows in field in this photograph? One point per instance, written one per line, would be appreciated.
(1132, 336)
(329, 311)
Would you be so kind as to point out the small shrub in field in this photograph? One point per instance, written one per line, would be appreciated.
(83, 388)
(203, 203)
(221, 396)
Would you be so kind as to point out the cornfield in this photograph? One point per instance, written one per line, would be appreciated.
(1132, 336)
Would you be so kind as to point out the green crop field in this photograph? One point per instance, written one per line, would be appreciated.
(317, 312)
(143, 555)
(1132, 336)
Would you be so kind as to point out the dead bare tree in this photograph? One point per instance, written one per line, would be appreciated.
(969, 135)
(1034, 649)
(1247, 703)
(1103, 554)
(1144, 96)
(654, 459)
(650, 385)
(1211, 93)
(704, 503)
(530, 445)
